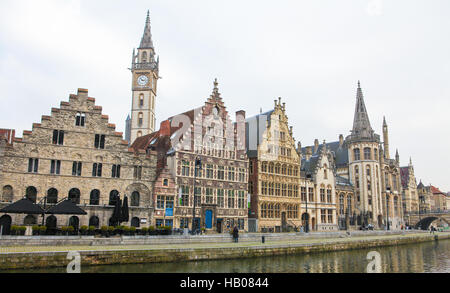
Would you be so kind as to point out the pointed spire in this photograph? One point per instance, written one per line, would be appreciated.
(361, 123)
(215, 93)
(146, 41)
(397, 157)
(384, 121)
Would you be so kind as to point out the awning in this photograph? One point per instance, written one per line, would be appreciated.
(66, 207)
(23, 206)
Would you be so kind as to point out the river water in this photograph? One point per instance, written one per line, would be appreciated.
(411, 258)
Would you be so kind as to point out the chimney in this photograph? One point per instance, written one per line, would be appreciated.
(83, 92)
(299, 146)
(341, 140)
(164, 128)
(308, 153)
(316, 145)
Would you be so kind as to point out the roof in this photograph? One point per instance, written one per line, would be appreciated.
(339, 152)
(146, 41)
(343, 181)
(23, 206)
(66, 207)
(436, 190)
(309, 166)
(255, 127)
(404, 175)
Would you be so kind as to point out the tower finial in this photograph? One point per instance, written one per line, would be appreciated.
(359, 84)
(146, 41)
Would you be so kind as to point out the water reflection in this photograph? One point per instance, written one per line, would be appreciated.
(414, 258)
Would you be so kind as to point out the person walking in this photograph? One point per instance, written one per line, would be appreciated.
(235, 234)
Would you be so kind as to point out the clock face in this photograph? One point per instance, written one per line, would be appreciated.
(142, 80)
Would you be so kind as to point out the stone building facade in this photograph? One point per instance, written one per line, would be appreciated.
(274, 171)
(219, 182)
(409, 189)
(76, 153)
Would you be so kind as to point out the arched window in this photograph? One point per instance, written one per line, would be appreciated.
(74, 195)
(140, 118)
(94, 197)
(356, 154)
(395, 205)
(349, 204)
(141, 100)
(50, 222)
(341, 204)
(144, 57)
(113, 197)
(30, 220)
(52, 195)
(135, 197)
(367, 154)
(270, 167)
(165, 182)
(283, 170)
(277, 169)
(94, 221)
(7, 194)
(135, 222)
(375, 154)
(264, 167)
(31, 193)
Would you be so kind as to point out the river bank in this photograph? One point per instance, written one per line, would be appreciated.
(39, 256)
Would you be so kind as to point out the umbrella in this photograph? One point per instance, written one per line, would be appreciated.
(23, 206)
(66, 207)
(124, 215)
(115, 218)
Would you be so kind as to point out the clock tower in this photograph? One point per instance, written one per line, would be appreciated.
(145, 74)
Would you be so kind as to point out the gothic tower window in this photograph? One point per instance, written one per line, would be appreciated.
(141, 100)
(58, 137)
(144, 57)
(33, 165)
(99, 142)
(140, 118)
(367, 153)
(356, 154)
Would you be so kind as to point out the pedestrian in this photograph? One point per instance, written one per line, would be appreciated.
(235, 234)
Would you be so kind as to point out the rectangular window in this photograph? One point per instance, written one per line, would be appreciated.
(160, 202)
(76, 168)
(330, 216)
(231, 199)
(33, 165)
(198, 196)
(99, 142)
(209, 171)
(220, 198)
(185, 168)
(97, 170)
(303, 193)
(241, 175)
(58, 137)
(311, 194)
(231, 173)
(221, 173)
(323, 215)
(55, 167)
(137, 173)
(329, 195)
(80, 119)
(184, 196)
(322, 195)
(169, 202)
(241, 199)
(209, 195)
(115, 171)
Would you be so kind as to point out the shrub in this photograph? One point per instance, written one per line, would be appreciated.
(70, 228)
(126, 229)
(151, 228)
(111, 228)
(104, 228)
(133, 229)
(36, 228)
(42, 228)
(84, 228)
(91, 228)
(64, 228)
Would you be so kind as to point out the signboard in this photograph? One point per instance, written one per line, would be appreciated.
(169, 212)
(143, 220)
(248, 199)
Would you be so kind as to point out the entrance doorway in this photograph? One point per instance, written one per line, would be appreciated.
(219, 225)
(283, 222)
(208, 219)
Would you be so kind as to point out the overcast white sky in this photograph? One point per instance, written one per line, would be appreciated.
(311, 53)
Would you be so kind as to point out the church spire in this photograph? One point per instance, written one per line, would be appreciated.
(146, 41)
(361, 123)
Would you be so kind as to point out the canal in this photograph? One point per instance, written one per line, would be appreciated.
(411, 258)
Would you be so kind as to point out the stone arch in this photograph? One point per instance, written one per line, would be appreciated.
(94, 221)
(143, 192)
(424, 224)
(113, 196)
(7, 193)
(135, 222)
(5, 223)
(94, 197)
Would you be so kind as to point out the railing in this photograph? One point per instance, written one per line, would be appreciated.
(438, 211)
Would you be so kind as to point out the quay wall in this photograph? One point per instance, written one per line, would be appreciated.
(59, 259)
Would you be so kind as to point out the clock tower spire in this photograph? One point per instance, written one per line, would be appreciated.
(145, 75)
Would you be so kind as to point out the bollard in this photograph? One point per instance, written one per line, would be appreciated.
(263, 239)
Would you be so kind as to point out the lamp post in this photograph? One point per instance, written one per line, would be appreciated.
(387, 211)
(307, 215)
(197, 163)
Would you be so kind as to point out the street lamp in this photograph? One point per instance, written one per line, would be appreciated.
(387, 211)
(198, 163)
(307, 215)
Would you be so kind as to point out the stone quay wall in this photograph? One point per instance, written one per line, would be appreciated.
(59, 259)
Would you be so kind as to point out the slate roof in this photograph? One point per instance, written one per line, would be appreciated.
(404, 175)
(340, 153)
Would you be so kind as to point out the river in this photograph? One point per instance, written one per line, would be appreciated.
(430, 257)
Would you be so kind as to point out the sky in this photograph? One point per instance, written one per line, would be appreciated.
(309, 53)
